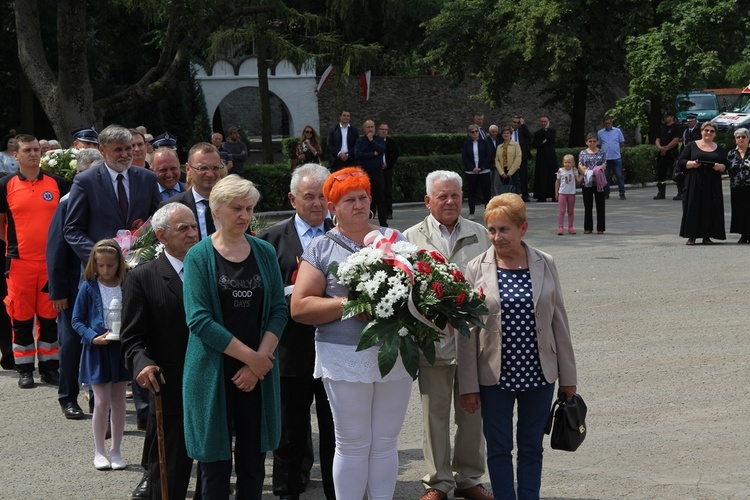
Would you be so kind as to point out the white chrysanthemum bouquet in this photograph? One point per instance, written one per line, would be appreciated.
(61, 162)
(412, 296)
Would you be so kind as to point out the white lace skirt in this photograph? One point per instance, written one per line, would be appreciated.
(343, 362)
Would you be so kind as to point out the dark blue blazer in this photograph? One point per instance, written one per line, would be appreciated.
(365, 149)
(333, 144)
(485, 155)
(296, 350)
(93, 211)
(63, 265)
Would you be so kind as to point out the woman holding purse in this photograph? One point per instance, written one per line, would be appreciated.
(507, 162)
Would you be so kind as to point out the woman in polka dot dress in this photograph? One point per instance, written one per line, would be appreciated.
(526, 348)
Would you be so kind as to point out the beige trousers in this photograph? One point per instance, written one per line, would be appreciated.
(438, 386)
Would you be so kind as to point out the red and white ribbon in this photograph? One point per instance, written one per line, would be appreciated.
(385, 242)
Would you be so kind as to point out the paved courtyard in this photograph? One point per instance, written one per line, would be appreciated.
(662, 337)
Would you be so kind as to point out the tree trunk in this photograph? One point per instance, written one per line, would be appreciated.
(264, 93)
(654, 119)
(66, 101)
(577, 133)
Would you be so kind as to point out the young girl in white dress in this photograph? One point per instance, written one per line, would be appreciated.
(101, 363)
(565, 193)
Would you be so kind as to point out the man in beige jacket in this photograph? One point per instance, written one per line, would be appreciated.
(459, 240)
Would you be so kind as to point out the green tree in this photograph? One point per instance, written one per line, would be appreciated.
(690, 45)
(572, 46)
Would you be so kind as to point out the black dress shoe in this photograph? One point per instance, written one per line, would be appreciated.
(26, 380)
(289, 497)
(743, 239)
(52, 377)
(141, 491)
(72, 411)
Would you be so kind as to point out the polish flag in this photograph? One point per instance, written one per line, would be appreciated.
(364, 82)
(327, 74)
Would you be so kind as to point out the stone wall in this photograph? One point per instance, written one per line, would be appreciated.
(427, 104)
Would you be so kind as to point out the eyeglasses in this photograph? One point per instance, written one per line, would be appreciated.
(355, 174)
(203, 169)
(473, 131)
(516, 122)
(709, 130)
(740, 137)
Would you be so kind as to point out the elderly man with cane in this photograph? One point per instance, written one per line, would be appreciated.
(154, 340)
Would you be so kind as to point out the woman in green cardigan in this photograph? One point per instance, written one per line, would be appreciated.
(235, 308)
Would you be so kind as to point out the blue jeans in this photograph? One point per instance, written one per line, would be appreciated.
(497, 417)
(616, 166)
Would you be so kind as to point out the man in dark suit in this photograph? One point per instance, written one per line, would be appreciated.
(389, 163)
(107, 198)
(166, 166)
(479, 121)
(154, 341)
(205, 169)
(522, 135)
(342, 138)
(110, 196)
(64, 274)
(293, 458)
(368, 153)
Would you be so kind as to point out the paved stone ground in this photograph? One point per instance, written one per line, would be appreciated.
(661, 336)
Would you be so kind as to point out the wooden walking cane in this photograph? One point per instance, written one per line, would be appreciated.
(162, 448)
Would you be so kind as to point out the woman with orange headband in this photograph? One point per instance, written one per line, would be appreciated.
(368, 409)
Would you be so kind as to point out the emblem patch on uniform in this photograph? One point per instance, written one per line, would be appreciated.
(48, 196)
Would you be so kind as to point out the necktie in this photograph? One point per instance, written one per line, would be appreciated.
(515, 135)
(122, 196)
(170, 192)
(210, 228)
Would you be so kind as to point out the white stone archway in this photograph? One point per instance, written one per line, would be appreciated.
(295, 89)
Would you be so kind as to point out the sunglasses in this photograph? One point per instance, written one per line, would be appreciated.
(709, 130)
(473, 131)
(308, 131)
(356, 174)
(740, 137)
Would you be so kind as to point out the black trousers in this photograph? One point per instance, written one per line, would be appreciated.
(388, 176)
(479, 184)
(291, 458)
(664, 168)
(70, 356)
(591, 196)
(178, 464)
(377, 189)
(243, 414)
(523, 174)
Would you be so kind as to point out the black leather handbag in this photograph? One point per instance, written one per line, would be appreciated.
(567, 422)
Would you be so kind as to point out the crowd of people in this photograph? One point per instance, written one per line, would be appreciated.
(235, 336)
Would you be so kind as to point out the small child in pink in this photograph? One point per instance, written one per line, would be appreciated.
(565, 192)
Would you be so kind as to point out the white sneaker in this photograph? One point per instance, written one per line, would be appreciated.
(471, 216)
(117, 462)
(101, 462)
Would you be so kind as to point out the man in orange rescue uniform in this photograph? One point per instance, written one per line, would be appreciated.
(27, 203)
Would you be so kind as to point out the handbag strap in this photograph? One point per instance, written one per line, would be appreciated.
(558, 402)
(338, 241)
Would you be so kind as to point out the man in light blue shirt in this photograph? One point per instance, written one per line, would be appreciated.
(611, 141)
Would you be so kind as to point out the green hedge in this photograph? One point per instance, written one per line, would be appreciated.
(408, 183)
(637, 163)
(408, 145)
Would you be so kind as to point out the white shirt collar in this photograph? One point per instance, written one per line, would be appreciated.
(113, 173)
(176, 263)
